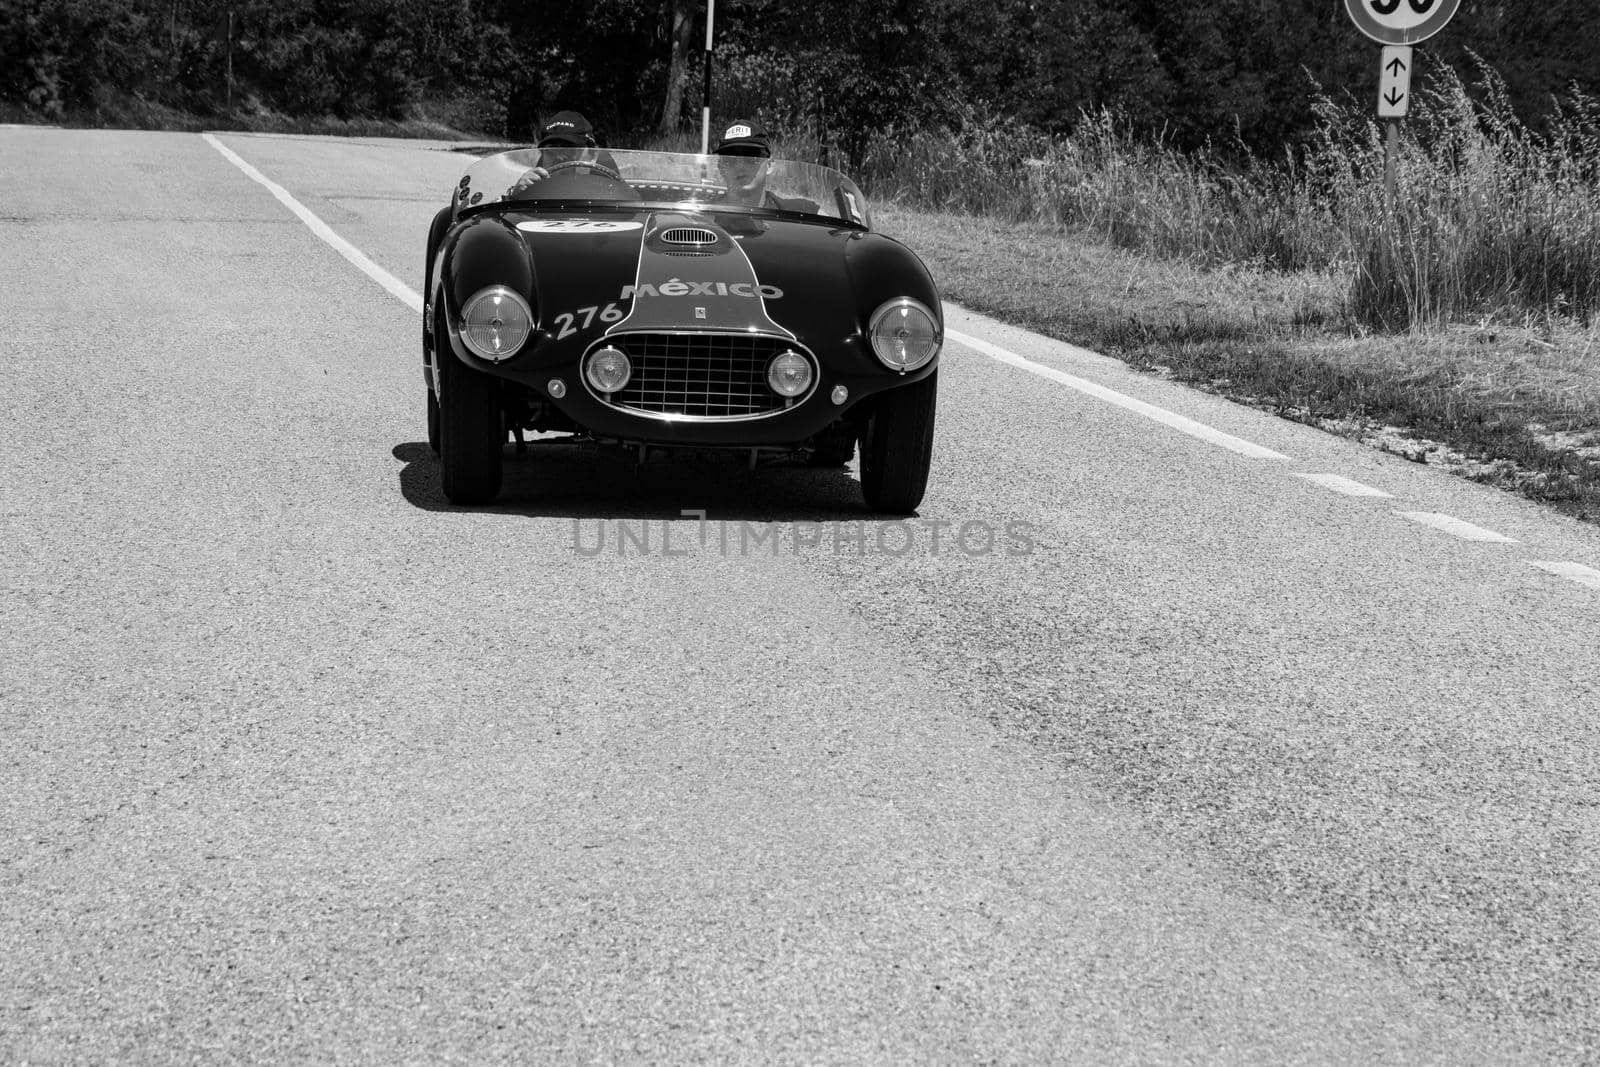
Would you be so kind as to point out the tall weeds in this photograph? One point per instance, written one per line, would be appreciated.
(1490, 219)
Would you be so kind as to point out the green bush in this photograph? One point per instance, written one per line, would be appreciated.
(57, 54)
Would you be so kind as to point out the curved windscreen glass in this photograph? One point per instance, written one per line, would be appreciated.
(528, 176)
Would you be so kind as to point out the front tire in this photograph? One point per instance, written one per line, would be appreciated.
(471, 433)
(897, 448)
(436, 231)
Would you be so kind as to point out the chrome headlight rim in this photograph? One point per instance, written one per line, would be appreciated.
(512, 297)
(903, 303)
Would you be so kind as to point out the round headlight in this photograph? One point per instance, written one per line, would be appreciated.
(789, 374)
(495, 323)
(608, 369)
(905, 335)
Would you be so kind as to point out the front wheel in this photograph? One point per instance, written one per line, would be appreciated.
(897, 448)
(471, 433)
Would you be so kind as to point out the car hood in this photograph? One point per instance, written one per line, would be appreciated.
(661, 270)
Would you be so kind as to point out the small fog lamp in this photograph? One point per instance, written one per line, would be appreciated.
(789, 374)
(608, 369)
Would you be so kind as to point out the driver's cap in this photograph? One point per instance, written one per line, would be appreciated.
(566, 128)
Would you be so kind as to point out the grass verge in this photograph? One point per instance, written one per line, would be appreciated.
(1514, 404)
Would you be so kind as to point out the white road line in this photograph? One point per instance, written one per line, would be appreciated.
(1340, 484)
(1456, 527)
(1171, 419)
(1576, 571)
(407, 295)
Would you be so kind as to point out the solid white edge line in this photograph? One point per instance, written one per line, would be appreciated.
(1456, 527)
(1577, 572)
(1340, 484)
(407, 295)
(1170, 419)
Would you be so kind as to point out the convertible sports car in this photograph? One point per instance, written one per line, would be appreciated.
(659, 300)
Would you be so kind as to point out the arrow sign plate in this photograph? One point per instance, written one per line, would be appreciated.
(1394, 82)
(1400, 21)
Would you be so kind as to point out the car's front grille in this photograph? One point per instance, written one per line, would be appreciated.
(701, 375)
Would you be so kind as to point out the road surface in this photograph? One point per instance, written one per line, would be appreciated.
(1198, 736)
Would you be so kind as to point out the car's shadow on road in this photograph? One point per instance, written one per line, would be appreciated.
(559, 479)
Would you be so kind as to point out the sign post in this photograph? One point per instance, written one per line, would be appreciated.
(1394, 81)
(705, 87)
(1397, 25)
(1394, 103)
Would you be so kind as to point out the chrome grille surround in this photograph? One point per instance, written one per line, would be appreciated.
(701, 376)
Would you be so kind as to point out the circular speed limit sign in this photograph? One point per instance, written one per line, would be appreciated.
(1400, 21)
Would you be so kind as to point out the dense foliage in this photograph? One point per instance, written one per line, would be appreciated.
(1230, 71)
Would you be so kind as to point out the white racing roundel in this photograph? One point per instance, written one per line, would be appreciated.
(577, 226)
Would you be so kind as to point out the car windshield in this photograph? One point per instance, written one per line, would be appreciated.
(530, 176)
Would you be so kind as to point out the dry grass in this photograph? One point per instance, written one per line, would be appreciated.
(1456, 326)
(1512, 404)
(1491, 218)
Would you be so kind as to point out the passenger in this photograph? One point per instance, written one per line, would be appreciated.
(744, 153)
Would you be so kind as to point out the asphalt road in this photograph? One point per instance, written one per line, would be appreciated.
(1205, 761)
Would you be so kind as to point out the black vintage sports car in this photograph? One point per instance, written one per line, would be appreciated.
(666, 301)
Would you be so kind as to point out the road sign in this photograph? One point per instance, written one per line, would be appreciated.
(1394, 82)
(1401, 21)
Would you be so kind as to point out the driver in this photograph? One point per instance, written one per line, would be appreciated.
(567, 137)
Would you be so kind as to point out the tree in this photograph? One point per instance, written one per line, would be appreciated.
(680, 35)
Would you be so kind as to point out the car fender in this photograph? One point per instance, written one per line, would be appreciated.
(882, 269)
(479, 252)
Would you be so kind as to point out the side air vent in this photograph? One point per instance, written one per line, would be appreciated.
(689, 236)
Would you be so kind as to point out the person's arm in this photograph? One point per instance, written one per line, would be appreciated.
(534, 175)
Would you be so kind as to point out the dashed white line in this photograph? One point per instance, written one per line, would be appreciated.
(1576, 571)
(1456, 527)
(1181, 423)
(1340, 484)
(407, 295)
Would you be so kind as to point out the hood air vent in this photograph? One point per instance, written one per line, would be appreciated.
(684, 235)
